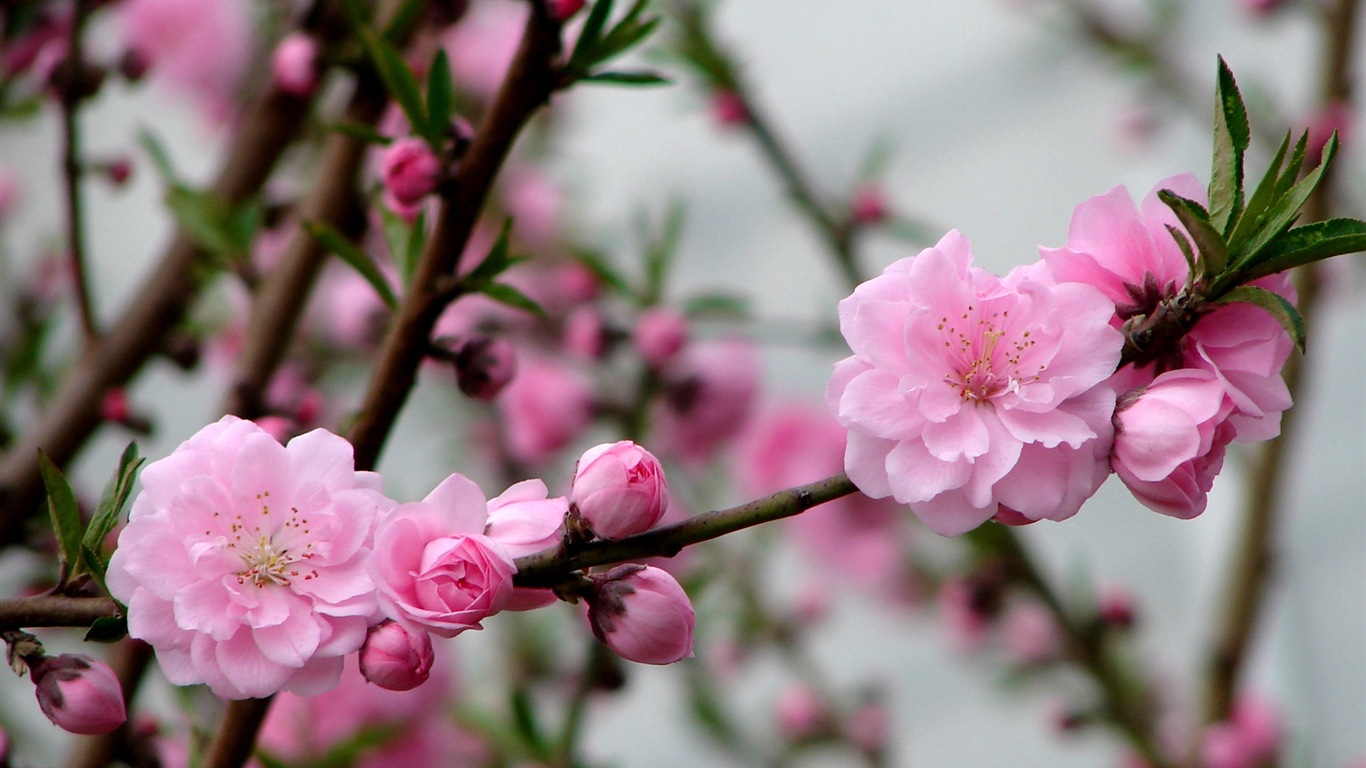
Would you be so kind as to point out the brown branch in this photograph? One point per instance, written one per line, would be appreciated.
(554, 566)
(74, 84)
(54, 611)
(236, 738)
(528, 85)
(1251, 567)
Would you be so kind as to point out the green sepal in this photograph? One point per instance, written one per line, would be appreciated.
(1307, 244)
(1277, 305)
(337, 243)
(1209, 243)
(1231, 138)
(107, 629)
(110, 509)
(506, 294)
(65, 515)
(622, 77)
(440, 97)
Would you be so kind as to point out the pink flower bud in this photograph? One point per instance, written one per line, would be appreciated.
(483, 366)
(410, 170)
(114, 406)
(642, 614)
(867, 728)
(395, 658)
(800, 713)
(869, 205)
(563, 10)
(659, 335)
(119, 170)
(294, 65)
(584, 334)
(1031, 633)
(1116, 607)
(728, 108)
(79, 694)
(619, 489)
(1170, 440)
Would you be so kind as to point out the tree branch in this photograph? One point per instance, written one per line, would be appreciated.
(54, 611)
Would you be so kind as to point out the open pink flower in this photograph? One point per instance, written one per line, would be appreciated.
(526, 519)
(1126, 252)
(967, 392)
(1170, 438)
(244, 561)
(434, 567)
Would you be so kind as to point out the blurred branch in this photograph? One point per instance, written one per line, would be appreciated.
(554, 566)
(73, 90)
(1252, 563)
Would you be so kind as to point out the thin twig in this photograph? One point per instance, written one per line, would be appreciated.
(54, 611)
(72, 93)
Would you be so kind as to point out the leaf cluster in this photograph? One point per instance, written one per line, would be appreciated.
(599, 44)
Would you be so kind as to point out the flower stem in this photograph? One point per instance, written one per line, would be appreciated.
(69, 101)
(236, 736)
(54, 611)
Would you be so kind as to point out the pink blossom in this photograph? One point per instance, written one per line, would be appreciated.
(659, 335)
(410, 170)
(1127, 253)
(1250, 737)
(536, 203)
(869, 204)
(482, 46)
(710, 391)
(1030, 633)
(868, 728)
(800, 713)
(1116, 607)
(525, 519)
(967, 392)
(78, 694)
(395, 658)
(1169, 441)
(564, 9)
(619, 489)
(198, 47)
(294, 64)
(642, 614)
(544, 408)
(728, 109)
(434, 567)
(244, 561)
(584, 334)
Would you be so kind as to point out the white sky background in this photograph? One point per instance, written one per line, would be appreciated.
(1000, 127)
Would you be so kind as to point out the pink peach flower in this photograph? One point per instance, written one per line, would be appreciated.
(243, 563)
(395, 658)
(198, 47)
(545, 407)
(967, 392)
(410, 170)
(1170, 439)
(434, 568)
(1126, 252)
(525, 519)
(294, 64)
(1030, 633)
(481, 47)
(619, 489)
(659, 335)
(1249, 738)
(800, 713)
(78, 694)
(642, 614)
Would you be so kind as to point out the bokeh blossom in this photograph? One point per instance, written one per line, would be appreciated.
(244, 561)
(969, 394)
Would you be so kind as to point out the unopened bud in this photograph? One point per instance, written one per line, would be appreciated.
(484, 365)
(410, 170)
(395, 658)
(799, 712)
(294, 64)
(659, 335)
(619, 490)
(79, 694)
(642, 614)
(563, 10)
(728, 108)
(869, 205)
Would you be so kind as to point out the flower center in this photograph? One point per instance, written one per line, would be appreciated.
(265, 559)
(983, 367)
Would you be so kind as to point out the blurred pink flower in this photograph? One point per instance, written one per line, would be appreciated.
(728, 109)
(619, 489)
(967, 391)
(409, 170)
(294, 64)
(547, 405)
(659, 335)
(642, 614)
(1127, 253)
(1335, 117)
(1249, 738)
(1030, 633)
(536, 204)
(482, 45)
(434, 568)
(799, 712)
(710, 391)
(1169, 441)
(200, 48)
(244, 561)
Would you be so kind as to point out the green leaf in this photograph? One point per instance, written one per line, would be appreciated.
(440, 96)
(1281, 309)
(625, 34)
(604, 272)
(112, 503)
(1210, 243)
(66, 516)
(528, 727)
(659, 255)
(203, 218)
(1286, 208)
(361, 131)
(506, 294)
(1231, 139)
(497, 260)
(1184, 244)
(108, 629)
(160, 159)
(627, 78)
(405, 240)
(1253, 214)
(337, 243)
(405, 20)
(398, 81)
(579, 60)
(1307, 244)
(717, 304)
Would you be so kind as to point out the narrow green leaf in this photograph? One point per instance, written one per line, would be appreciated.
(660, 254)
(94, 564)
(65, 515)
(337, 243)
(1231, 139)
(108, 629)
(1307, 244)
(357, 14)
(497, 260)
(1212, 249)
(528, 727)
(1253, 213)
(580, 59)
(405, 240)
(112, 503)
(716, 304)
(624, 36)
(405, 19)
(506, 294)
(1184, 243)
(622, 77)
(604, 272)
(159, 156)
(361, 131)
(1286, 208)
(440, 95)
(1281, 309)
(398, 81)
(1291, 173)
(203, 218)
